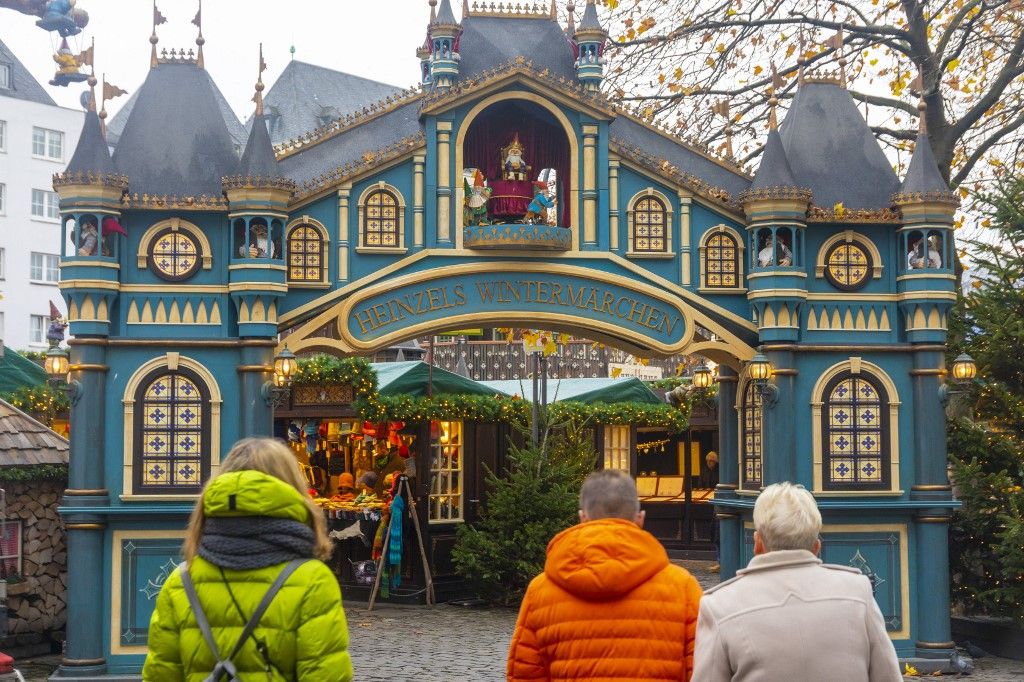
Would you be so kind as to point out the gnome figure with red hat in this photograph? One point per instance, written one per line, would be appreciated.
(537, 211)
(55, 333)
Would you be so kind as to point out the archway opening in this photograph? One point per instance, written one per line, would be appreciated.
(543, 156)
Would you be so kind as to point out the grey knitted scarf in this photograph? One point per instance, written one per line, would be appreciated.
(249, 542)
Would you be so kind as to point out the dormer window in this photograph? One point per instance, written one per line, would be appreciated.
(5, 77)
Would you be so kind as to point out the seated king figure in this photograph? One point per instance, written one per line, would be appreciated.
(513, 165)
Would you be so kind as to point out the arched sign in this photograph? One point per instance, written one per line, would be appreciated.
(515, 294)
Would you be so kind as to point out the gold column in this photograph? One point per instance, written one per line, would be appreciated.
(684, 238)
(444, 189)
(418, 168)
(590, 184)
(343, 231)
(613, 204)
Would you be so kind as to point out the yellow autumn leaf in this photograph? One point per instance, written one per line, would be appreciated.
(661, 78)
(953, 63)
(678, 73)
(758, 70)
(909, 670)
(616, 371)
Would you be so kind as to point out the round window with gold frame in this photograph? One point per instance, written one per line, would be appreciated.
(174, 255)
(848, 265)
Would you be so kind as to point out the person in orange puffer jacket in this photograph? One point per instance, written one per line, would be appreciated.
(609, 604)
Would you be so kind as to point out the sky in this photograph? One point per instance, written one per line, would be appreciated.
(372, 39)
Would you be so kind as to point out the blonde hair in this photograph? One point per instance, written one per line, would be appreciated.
(274, 458)
(786, 517)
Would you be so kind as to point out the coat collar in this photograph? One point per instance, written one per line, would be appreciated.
(779, 559)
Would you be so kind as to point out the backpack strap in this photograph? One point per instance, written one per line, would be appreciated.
(226, 666)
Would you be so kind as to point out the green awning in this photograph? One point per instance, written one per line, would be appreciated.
(17, 372)
(597, 390)
(410, 378)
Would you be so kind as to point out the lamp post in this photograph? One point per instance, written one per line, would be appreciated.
(760, 371)
(57, 366)
(276, 391)
(962, 374)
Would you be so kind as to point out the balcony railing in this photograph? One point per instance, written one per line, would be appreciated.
(497, 360)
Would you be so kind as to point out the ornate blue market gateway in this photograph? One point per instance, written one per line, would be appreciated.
(506, 191)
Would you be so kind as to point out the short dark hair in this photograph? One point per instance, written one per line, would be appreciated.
(609, 494)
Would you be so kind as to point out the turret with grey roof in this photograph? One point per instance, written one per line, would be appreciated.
(923, 177)
(832, 152)
(91, 155)
(175, 141)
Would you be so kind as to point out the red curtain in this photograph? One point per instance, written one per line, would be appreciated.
(543, 139)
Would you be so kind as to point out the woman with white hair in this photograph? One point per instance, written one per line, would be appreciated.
(788, 616)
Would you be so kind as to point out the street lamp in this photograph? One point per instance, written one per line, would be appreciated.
(702, 376)
(275, 392)
(963, 373)
(760, 371)
(57, 366)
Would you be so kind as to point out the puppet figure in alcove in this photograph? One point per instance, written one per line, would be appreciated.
(475, 202)
(537, 212)
(512, 162)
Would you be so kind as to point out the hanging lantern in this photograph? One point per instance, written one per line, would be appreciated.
(964, 368)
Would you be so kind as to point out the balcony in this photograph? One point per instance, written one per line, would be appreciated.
(517, 236)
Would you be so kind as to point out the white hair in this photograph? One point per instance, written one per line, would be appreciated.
(787, 517)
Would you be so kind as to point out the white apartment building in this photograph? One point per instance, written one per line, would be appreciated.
(37, 139)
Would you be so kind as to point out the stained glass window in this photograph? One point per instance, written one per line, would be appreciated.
(172, 443)
(305, 254)
(649, 225)
(856, 434)
(174, 255)
(721, 261)
(380, 220)
(752, 421)
(847, 265)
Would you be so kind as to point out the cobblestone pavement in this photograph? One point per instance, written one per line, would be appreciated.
(458, 644)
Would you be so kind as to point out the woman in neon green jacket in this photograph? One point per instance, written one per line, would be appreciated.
(251, 521)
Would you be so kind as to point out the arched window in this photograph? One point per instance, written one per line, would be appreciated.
(174, 255)
(172, 425)
(721, 262)
(306, 255)
(848, 265)
(381, 220)
(751, 437)
(649, 226)
(855, 426)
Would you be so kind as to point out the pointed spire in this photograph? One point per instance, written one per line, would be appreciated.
(445, 15)
(923, 174)
(91, 155)
(773, 101)
(554, 10)
(433, 11)
(465, 8)
(92, 76)
(571, 11)
(258, 97)
(258, 159)
(774, 170)
(590, 22)
(158, 19)
(200, 40)
(836, 42)
(801, 61)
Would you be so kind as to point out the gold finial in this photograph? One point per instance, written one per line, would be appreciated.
(110, 91)
(200, 40)
(258, 97)
(917, 87)
(465, 8)
(92, 75)
(570, 9)
(773, 100)
(153, 40)
(801, 61)
(836, 43)
(433, 11)
(554, 12)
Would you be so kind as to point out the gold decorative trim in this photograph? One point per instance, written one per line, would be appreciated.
(155, 202)
(928, 372)
(371, 160)
(817, 214)
(727, 486)
(780, 192)
(113, 180)
(823, 348)
(237, 182)
(785, 372)
(189, 343)
(935, 645)
(257, 369)
(82, 492)
(525, 10)
(726, 515)
(931, 197)
(85, 526)
(86, 367)
(76, 662)
(931, 487)
(932, 519)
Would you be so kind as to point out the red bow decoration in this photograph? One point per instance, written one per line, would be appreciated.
(110, 225)
(403, 451)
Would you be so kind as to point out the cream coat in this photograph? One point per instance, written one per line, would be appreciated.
(789, 617)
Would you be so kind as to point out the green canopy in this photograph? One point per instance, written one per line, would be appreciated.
(410, 378)
(620, 390)
(17, 371)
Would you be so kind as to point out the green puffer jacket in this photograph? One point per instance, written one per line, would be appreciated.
(304, 628)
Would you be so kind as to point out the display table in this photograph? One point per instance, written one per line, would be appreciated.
(510, 198)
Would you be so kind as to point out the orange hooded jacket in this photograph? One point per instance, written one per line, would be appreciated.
(608, 606)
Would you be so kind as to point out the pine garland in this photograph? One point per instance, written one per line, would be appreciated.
(327, 369)
(34, 472)
(44, 402)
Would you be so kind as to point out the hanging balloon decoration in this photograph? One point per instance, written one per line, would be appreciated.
(62, 19)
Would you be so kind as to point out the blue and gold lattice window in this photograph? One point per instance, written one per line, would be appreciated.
(721, 262)
(847, 266)
(380, 228)
(305, 254)
(856, 434)
(172, 443)
(174, 255)
(649, 226)
(752, 426)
